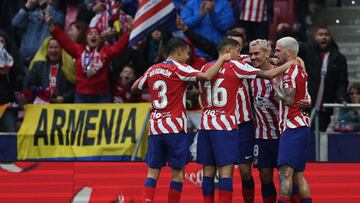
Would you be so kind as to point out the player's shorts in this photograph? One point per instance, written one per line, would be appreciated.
(217, 147)
(266, 153)
(246, 142)
(292, 147)
(172, 148)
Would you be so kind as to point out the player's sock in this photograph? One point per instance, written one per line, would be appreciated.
(248, 190)
(306, 200)
(295, 196)
(268, 192)
(283, 199)
(175, 192)
(149, 190)
(208, 189)
(225, 190)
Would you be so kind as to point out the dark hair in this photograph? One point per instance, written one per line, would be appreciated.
(355, 85)
(234, 33)
(226, 42)
(174, 44)
(82, 27)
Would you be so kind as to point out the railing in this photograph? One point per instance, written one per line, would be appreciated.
(315, 115)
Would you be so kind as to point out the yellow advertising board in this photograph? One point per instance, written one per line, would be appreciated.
(82, 131)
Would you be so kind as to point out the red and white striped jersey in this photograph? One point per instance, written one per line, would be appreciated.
(167, 83)
(244, 111)
(220, 95)
(265, 109)
(254, 11)
(292, 116)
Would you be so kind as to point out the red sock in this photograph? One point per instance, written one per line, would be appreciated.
(248, 195)
(174, 196)
(271, 199)
(225, 196)
(149, 194)
(295, 198)
(209, 198)
(283, 200)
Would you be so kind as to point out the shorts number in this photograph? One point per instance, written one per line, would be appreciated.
(161, 103)
(256, 150)
(216, 95)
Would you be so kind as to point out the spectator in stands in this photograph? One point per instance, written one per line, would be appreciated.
(352, 115)
(77, 31)
(92, 62)
(30, 20)
(11, 74)
(210, 19)
(327, 73)
(47, 77)
(255, 17)
(122, 88)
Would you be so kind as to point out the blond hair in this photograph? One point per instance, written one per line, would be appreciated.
(262, 43)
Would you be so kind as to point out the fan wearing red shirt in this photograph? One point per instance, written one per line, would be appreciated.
(168, 141)
(294, 123)
(92, 62)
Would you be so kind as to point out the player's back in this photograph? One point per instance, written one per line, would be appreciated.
(294, 77)
(167, 85)
(219, 98)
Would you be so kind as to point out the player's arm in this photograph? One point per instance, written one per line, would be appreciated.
(214, 69)
(287, 95)
(272, 73)
(137, 87)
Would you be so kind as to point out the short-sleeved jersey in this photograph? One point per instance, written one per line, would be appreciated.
(292, 116)
(167, 83)
(265, 109)
(220, 95)
(244, 112)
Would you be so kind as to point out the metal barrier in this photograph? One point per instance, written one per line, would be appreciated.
(315, 115)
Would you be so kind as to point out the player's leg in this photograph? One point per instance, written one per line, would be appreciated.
(178, 156)
(246, 150)
(205, 156)
(155, 159)
(150, 184)
(268, 190)
(303, 187)
(265, 157)
(226, 183)
(208, 186)
(286, 183)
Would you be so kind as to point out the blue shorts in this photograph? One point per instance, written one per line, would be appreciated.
(266, 153)
(292, 149)
(217, 147)
(172, 148)
(246, 142)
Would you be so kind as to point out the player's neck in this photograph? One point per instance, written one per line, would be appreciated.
(267, 66)
(173, 58)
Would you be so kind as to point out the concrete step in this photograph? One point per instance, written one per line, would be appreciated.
(336, 16)
(343, 3)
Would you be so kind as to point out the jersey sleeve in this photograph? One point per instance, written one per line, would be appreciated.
(142, 80)
(290, 77)
(244, 70)
(186, 72)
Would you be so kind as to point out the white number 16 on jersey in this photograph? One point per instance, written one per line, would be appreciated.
(216, 95)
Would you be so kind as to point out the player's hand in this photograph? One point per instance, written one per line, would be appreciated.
(225, 57)
(303, 104)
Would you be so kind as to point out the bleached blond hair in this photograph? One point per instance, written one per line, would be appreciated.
(289, 43)
(262, 43)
